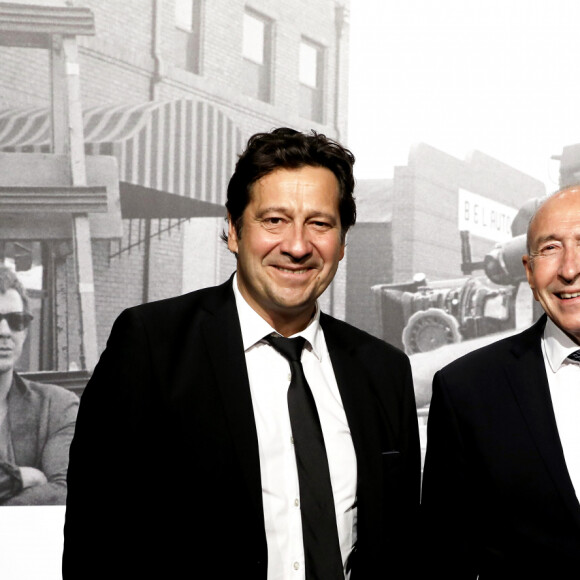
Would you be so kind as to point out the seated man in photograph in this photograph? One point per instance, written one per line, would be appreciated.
(36, 420)
(502, 470)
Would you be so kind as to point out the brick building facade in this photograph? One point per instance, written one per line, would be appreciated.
(410, 225)
(242, 67)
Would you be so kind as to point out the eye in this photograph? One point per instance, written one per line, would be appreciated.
(273, 221)
(549, 249)
(320, 224)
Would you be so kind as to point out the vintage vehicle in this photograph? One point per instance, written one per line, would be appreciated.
(443, 312)
(423, 315)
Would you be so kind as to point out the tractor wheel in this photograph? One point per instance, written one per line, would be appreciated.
(429, 329)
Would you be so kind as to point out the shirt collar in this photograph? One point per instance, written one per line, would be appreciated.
(255, 328)
(558, 345)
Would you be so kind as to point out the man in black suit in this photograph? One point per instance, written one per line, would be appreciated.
(502, 470)
(189, 458)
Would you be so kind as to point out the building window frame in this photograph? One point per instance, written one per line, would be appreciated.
(311, 78)
(188, 18)
(257, 55)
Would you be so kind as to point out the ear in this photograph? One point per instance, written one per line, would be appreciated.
(341, 255)
(528, 265)
(232, 236)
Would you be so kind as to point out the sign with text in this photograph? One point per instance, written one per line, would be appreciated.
(484, 217)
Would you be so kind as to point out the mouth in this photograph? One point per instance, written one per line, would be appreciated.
(292, 271)
(567, 295)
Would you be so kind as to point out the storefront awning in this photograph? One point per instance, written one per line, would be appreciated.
(181, 148)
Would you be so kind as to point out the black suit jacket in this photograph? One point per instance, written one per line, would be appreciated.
(164, 473)
(497, 498)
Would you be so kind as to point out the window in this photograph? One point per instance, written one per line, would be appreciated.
(188, 35)
(311, 80)
(257, 53)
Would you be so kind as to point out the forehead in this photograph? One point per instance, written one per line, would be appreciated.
(10, 301)
(317, 185)
(558, 216)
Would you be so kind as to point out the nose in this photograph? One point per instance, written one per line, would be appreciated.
(569, 269)
(296, 242)
(4, 328)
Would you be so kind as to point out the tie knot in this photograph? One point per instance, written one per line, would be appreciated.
(289, 348)
(575, 356)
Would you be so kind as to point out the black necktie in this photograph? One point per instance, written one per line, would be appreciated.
(320, 535)
(575, 356)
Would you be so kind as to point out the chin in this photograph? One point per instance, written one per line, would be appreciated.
(291, 307)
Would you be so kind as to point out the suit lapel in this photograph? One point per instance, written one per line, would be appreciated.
(22, 414)
(360, 411)
(223, 336)
(529, 383)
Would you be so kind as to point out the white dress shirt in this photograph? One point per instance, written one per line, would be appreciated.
(564, 382)
(269, 376)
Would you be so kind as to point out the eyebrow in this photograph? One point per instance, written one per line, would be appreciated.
(284, 210)
(273, 208)
(548, 238)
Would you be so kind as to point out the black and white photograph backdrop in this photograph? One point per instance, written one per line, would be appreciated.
(121, 122)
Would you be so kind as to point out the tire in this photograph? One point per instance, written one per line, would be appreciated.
(429, 329)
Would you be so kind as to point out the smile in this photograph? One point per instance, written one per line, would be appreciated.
(301, 271)
(567, 295)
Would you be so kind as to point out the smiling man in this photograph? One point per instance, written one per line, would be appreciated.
(502, 471)
(246, 433)
(291, 245)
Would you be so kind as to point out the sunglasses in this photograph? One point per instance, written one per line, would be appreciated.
(16, 320)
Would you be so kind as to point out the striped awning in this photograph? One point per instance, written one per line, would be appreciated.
(181, 147)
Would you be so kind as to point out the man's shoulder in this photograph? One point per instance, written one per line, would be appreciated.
(185, 304)
(44, 391)
(495, 356)
(357, 338)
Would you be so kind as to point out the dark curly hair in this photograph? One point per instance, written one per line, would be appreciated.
(290, 149)
(9, 280)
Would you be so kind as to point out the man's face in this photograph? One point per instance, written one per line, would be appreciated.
(553, 266)
(11, 341)
(290, 243)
